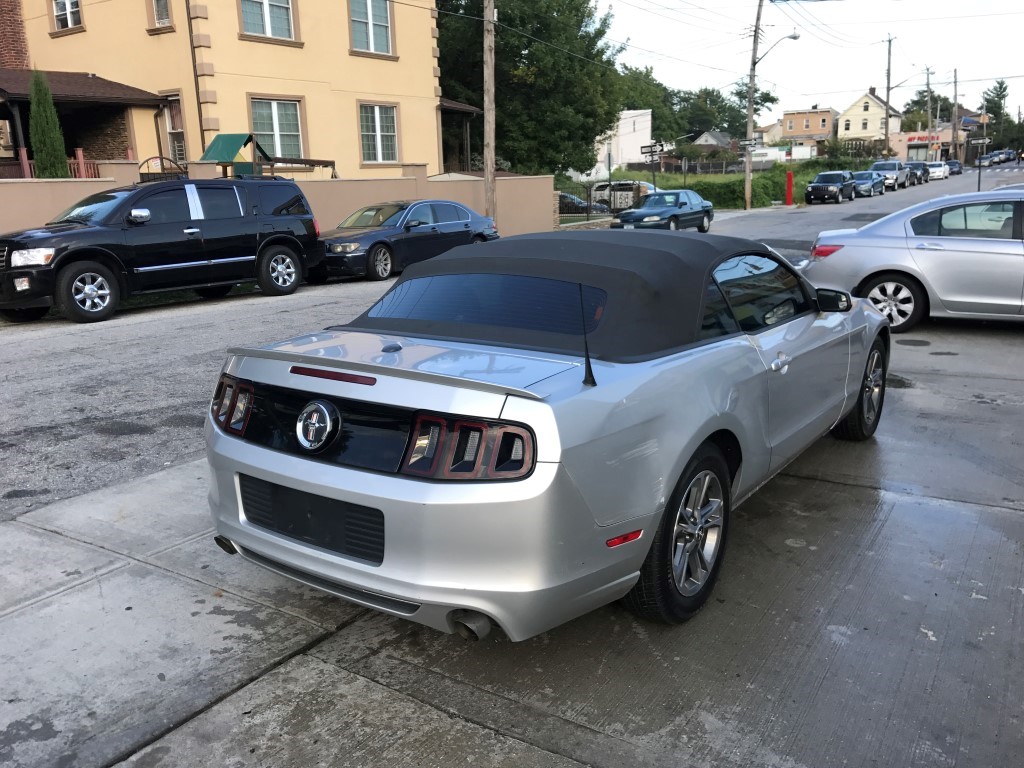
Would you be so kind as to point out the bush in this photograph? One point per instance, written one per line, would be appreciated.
(51, 161)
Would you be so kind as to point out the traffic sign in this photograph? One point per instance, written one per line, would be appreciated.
(983, 140)
(652, 149)
(653, 158)
(748, 142)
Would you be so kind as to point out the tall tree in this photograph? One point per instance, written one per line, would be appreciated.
(995, 104)
(762, 99)
(45, 135)
(642, 91)
(556, 85)
(708, 109)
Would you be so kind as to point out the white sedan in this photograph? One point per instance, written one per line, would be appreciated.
(938, 170)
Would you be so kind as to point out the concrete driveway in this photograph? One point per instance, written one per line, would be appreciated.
(870, 613)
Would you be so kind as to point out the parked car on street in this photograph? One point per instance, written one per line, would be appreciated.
(869, 183)
(207, 235)
(985, 160)
(937, 169)
(521, 438)
(670, 209)
(831, 185)
(569, 203)
(919, 172)
(896, 173)
(955, 167)
(381, 239)
(955, 256)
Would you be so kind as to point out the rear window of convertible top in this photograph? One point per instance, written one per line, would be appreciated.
(502, 301)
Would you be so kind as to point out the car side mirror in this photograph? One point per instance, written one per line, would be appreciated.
(139, 216)
(833, 301)
(413, 223)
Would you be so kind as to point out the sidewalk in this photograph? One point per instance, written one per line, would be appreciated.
(122, 621)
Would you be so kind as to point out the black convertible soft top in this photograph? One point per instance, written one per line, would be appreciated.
(654, 281)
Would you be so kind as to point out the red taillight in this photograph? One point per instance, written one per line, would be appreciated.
(232, 404)
(624, 538)
(821, 251)
(445, 448)
(316, 226)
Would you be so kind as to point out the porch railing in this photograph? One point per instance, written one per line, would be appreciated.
(11, 168)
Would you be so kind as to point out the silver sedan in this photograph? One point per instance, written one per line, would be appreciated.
(518, 433)
(955, 256)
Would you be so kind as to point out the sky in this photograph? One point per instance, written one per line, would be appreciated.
(841, 51)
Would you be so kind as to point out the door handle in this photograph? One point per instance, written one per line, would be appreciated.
(929, 247)
(781, 363)
(190, 231)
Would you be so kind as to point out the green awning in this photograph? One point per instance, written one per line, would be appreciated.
(227, 148)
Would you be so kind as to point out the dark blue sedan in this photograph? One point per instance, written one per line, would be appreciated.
(382, 239)
(670, 209)
(868, 183)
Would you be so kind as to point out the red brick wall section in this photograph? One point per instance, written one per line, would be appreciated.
(13, 45)
(104, 139)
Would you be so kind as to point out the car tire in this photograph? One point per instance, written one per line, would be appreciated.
(899, 297)
(214, 291)
(24, 315)
(686, 554)
(379, 263)
(673, 224)
(317, 275)
(477, 239)
(871, 192)
(861, 423)
(278, 271)
(705, 224)
(839, 197)
(87, 292)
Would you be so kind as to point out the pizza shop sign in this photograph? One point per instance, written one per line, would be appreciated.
(923, 139)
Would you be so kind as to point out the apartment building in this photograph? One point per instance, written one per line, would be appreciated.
(865, 119)
(808, 126)
(350, 81)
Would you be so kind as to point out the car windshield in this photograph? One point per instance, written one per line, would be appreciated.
(660, 201)
(828, 178)
(863, 175)
(497, 301)
(884, 167)
(386, 215)
(95, 207)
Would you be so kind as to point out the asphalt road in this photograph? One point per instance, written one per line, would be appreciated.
(870, 611)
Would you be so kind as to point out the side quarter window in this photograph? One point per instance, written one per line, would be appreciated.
(717, 319)
(762, 292)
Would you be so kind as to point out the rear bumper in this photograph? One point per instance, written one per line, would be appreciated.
(528, 554)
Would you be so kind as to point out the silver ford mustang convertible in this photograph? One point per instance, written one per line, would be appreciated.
(520, 432)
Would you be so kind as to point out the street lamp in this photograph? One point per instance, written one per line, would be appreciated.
(754, 60)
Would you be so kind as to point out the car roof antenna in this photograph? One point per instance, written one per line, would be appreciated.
(588, 375)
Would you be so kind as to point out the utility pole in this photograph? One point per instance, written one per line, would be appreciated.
(956, 119)
(984, 133)
(888, 89)
(490, 201)
(928, 86)
(748, 175)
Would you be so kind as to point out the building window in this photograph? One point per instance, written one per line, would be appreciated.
(824, 122)
(270, 18)
(379, 134)
(864, 124)
(371, 26)
(866, 106)
(161, 13)
(275, 124)
(789, 125)
(807, 123)
(175, 131)
(66, 14)
(846, 125)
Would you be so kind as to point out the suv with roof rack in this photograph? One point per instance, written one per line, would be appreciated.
(204, 235)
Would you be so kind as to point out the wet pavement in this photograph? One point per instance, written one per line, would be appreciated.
(870, 613)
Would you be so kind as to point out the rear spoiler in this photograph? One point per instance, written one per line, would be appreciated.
(384, 370)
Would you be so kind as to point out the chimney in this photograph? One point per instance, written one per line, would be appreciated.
(871, 90)
(13, 45)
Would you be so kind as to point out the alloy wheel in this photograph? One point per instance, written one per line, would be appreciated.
(91, 292)
(382, 262)
(874, 386)
(282, 270)
(697, 535)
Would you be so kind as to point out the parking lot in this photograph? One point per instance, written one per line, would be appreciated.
(870, 614)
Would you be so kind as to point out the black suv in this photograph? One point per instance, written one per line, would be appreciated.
(919, 173)
(831, 185)
(207, 235)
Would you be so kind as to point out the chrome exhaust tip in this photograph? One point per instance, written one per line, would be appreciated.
(225, 544)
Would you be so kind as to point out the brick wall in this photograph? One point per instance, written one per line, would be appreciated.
(13, 45)
(104, 136)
